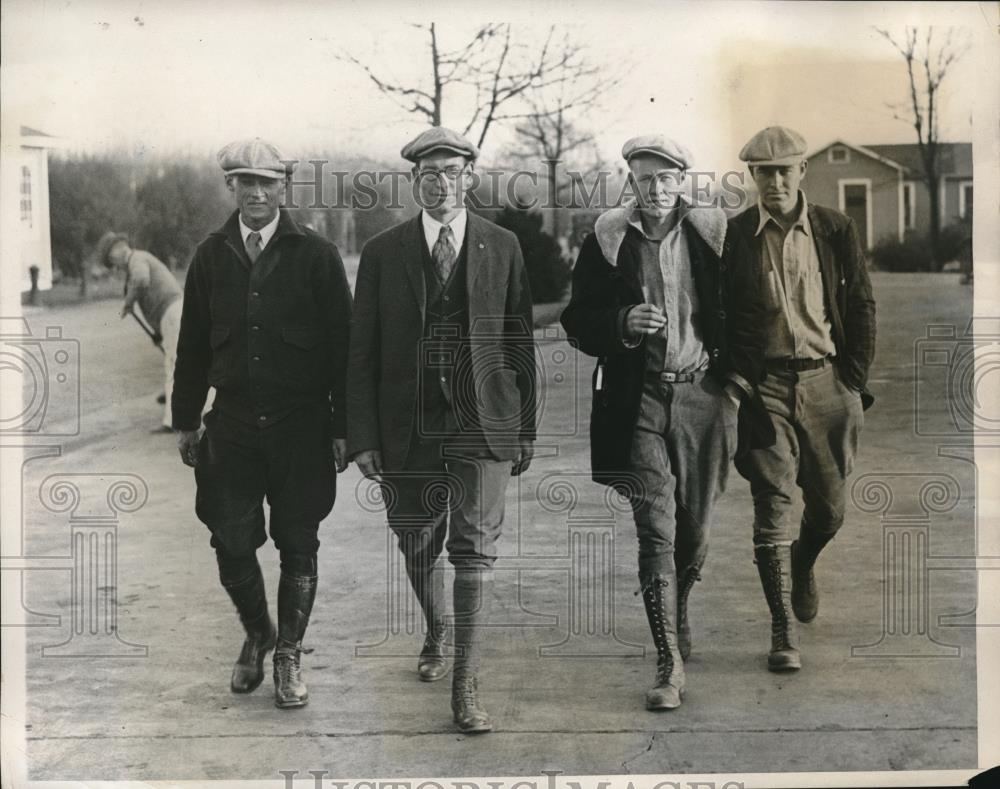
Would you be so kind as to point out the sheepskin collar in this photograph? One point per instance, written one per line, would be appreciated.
(709, 223)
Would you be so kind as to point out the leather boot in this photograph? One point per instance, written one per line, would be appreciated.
(295, 600)
(428, 586)
(805, 594)
(473, 593)
(660, 598)
(773, 565)
(685, 581)
(250, 600)
(432, 664)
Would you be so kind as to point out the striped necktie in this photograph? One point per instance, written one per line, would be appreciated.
(444, 254)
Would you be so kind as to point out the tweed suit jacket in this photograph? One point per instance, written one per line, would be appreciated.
(387, 336)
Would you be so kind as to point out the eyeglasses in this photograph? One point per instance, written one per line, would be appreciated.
(451, 173)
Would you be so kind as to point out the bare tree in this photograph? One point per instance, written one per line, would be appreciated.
(927, 65)
(553, 130)
(493, 66)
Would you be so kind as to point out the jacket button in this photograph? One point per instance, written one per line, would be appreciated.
(261, 418)
(716, 353)
(256, 358)
(255, 294)
(722, 315)
(255, 327)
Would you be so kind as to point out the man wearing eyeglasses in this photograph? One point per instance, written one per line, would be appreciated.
(441, 397)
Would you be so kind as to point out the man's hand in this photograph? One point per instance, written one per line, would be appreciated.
(126, 309)
(187, 445)
(523, 459)
(370, 463)
(644, 319)
(340, 454)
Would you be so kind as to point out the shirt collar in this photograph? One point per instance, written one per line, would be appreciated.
(432, 228)
(802, 220)
(266, 232)
(635, 217)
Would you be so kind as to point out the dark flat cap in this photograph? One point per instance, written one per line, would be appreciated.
(438, 138)
(254, 157)
(774, 145)
(657, 145)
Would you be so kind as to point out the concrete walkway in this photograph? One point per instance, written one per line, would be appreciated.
(570, 655)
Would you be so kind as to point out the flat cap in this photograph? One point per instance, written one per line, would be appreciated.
(254, 157)
(438, 138)
(106, 244)
(774, 145)
(657, 145)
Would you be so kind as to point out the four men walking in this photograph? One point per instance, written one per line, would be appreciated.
(715, 339)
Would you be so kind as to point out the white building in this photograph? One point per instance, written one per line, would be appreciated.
(26, 205)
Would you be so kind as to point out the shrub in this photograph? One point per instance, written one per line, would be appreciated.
(548, 271)
(911, 254)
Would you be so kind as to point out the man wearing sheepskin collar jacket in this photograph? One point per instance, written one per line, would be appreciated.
(672, 309)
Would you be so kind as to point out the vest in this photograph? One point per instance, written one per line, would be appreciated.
(447, 391)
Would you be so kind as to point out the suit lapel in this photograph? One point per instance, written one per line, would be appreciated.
(476, 252)
(413, 255)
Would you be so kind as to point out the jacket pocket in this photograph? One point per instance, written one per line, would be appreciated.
(300, 356)
(220, 371)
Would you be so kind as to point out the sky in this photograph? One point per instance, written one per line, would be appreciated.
(182, 76)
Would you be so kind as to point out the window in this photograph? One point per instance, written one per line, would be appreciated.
(965, 200)
(839, 154)
(909, 206)
(26, 195)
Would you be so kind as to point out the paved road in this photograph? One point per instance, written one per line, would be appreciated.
(565, 673)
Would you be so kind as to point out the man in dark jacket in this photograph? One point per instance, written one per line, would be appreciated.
(820, 343)
(266, 322)
(673, 313)
(441, 397)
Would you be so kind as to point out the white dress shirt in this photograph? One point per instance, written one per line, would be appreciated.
(266, 232)
(432, 228)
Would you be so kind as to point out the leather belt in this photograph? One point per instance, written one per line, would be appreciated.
(796, 365)
(667, 377)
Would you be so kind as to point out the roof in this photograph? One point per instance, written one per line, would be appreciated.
(955, 157)
(27, 131)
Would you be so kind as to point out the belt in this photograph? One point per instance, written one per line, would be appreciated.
(667, 377)
(796, 365)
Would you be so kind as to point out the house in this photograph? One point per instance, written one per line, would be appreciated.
(26, 204)
(881, 186)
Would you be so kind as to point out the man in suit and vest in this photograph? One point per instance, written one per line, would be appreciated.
(820, 335)
(675, 324)
(441, 397)
(266, 318)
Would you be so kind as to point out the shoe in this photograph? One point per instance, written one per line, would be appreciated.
(432, 664)
(472, 600)
(805, 594)
(660, 599)
(296, 594)
(250, 599)
(773, 563)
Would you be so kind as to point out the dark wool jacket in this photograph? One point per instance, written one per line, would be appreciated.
(269, 336)
(847, 289)
(606, 279)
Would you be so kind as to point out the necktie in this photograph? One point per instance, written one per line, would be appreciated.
(444, 254)
(253, 246)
